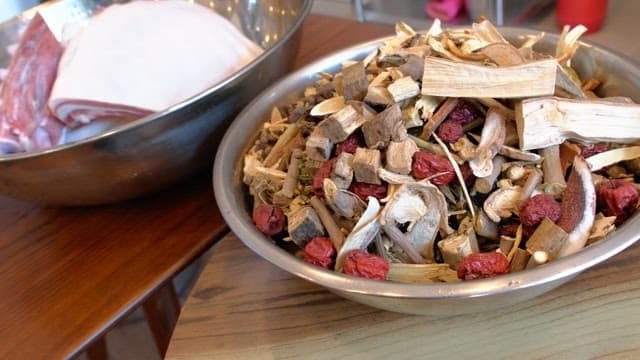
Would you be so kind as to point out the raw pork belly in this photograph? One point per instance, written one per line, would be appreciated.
(145, 56)
(26, 123)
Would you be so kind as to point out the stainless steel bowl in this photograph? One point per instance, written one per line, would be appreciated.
(620, 76)
(161, 149)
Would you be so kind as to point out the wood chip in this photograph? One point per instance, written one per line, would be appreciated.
(547, 121)
(449, 78)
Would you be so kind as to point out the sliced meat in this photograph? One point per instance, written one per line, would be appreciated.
(26, 123)
(145, 56)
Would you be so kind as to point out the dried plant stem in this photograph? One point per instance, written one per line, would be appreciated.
(336, 235)
(551, 166)
(291, 179)
(533, 179)
(456, 169)
(398, 237)
(280, 146)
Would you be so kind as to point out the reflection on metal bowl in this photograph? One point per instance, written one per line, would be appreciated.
(159, 150)
(620, 77)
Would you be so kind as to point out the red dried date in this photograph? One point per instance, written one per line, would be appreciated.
(463, 113)
(269, 219)
(536, 208)
(323, 172)
(450, 131)
(482, 265)
(319, 251)
(616, 197)
(587, 151)
(364, 190)
(350, 144)
(362, 264)
(426, 165)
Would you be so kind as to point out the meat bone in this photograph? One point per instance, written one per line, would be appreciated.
(547, 121)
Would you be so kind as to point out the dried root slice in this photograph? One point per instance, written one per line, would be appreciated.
(610, 157)
(421, 273)
(547, 121)
(362, 234)
(329, 106)
(502, 203)
(449, 78)
(491, 140)
(578, 207)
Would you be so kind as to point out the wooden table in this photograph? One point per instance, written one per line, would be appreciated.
(68, 275)
(243, 307)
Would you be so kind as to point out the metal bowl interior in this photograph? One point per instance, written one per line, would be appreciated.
(159, 150)
(620, 77)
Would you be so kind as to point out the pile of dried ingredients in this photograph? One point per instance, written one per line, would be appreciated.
(446, 155)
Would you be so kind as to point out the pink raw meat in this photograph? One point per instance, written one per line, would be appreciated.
(26, 123)
(145, 56)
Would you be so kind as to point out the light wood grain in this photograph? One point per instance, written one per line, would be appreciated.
(243, 307)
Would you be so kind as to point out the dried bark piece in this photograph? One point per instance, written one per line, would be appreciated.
(547, 121)
(448, 78)
(354, 81)
(458, 245)
(403, 88)
(399, 156)
(547, 237)
(318, 146)
(413, 67)
(366, 163)
(385, 127)
(340, 125)
(578, 207)
(343, 202)
(304, 224)
(519, 260)
(503, 54)
(378, 95)
(342, 173)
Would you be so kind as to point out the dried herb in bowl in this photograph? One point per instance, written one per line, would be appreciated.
(446, 155)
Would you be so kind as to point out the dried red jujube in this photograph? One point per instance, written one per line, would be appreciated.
(427, 164)
(269, 219)
(362, 264)
(534, 209)
(616, 197)
(482, 265)
(319, 251)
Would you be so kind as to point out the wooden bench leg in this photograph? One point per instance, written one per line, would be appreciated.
(162, 309)
(98, 350)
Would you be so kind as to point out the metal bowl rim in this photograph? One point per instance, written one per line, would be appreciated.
(245, 230)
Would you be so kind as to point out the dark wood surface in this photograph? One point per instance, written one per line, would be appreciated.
(68, 275)
(243, 307)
